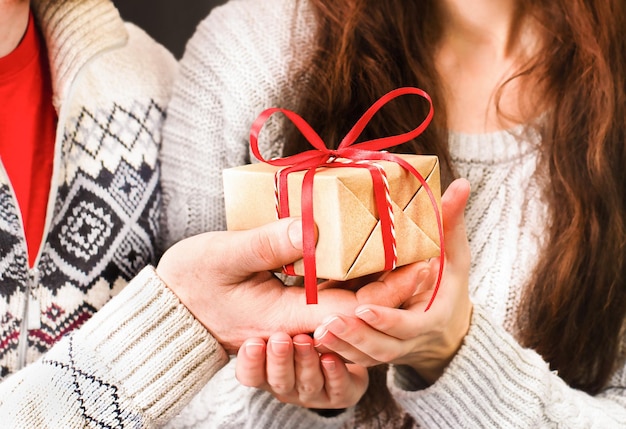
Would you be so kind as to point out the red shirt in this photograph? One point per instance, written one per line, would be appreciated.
(27, 131)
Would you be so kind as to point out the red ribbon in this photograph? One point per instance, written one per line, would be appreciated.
(359, 156)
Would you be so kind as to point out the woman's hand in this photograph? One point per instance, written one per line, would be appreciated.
(294, 372)
(426, 341)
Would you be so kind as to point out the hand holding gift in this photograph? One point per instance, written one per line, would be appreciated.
(426, 342)
(373, 210)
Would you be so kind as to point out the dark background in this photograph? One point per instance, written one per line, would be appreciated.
(170, 22)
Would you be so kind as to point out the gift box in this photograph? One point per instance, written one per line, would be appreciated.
(350, 239)
(373, 210)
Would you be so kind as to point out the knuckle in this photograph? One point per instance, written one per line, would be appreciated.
(262, 248)
(308, 390)
(339, 399)
(358, 338)
(249, 382)
(309, 385)
(281, 388)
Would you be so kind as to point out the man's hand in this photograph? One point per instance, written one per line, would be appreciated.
(224, 279)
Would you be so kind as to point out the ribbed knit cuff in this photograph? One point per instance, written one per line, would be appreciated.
(491, 382)
(152, 347)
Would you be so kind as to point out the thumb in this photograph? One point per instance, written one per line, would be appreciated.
(453, 204)
(266, 247)
(395, 287)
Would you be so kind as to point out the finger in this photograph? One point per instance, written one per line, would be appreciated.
(400, 324)
(264, 248)
(453, 204)
(308, 373)
(405, 322)
(395, 287)
(345, 384)
(350, 338)
(250, 365)
(280, 364)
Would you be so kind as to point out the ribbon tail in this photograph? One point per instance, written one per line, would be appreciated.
(281, 192)
(439, 276)
(308, 238)
(442, 251)
(433, 200)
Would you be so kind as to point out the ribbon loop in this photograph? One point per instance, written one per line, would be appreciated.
(387, 142)
(347, 154)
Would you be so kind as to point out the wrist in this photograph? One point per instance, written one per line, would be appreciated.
(431, 369)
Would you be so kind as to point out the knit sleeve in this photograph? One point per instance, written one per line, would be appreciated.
(237, 63)
(494, 382)
(135, 363)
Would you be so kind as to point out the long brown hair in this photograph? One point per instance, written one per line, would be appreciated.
(574, 305)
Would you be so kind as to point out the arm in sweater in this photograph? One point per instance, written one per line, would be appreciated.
(226, 78)
(494, 382)
(144, 354)
(134, 364)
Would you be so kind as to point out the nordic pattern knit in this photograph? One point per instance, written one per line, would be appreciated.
(241, 60)
(102, 221)
(127, 366)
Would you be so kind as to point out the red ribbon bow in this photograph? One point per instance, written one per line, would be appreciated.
(358, 155)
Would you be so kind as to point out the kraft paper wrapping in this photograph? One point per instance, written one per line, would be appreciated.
(349, 241)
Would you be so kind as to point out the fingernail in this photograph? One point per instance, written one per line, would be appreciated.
(279, 348)
(255, 350)
(303, 349)
(295, 234)
(320, 332)
(366, 315)
(336, 325)
(329, 364)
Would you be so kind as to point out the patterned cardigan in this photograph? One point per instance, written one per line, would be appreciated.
(111, 84)
(80, 344)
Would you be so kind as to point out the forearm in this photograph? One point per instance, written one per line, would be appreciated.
(494, 382)
(136, 362)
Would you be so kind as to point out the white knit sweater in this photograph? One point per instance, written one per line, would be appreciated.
(242, 60)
